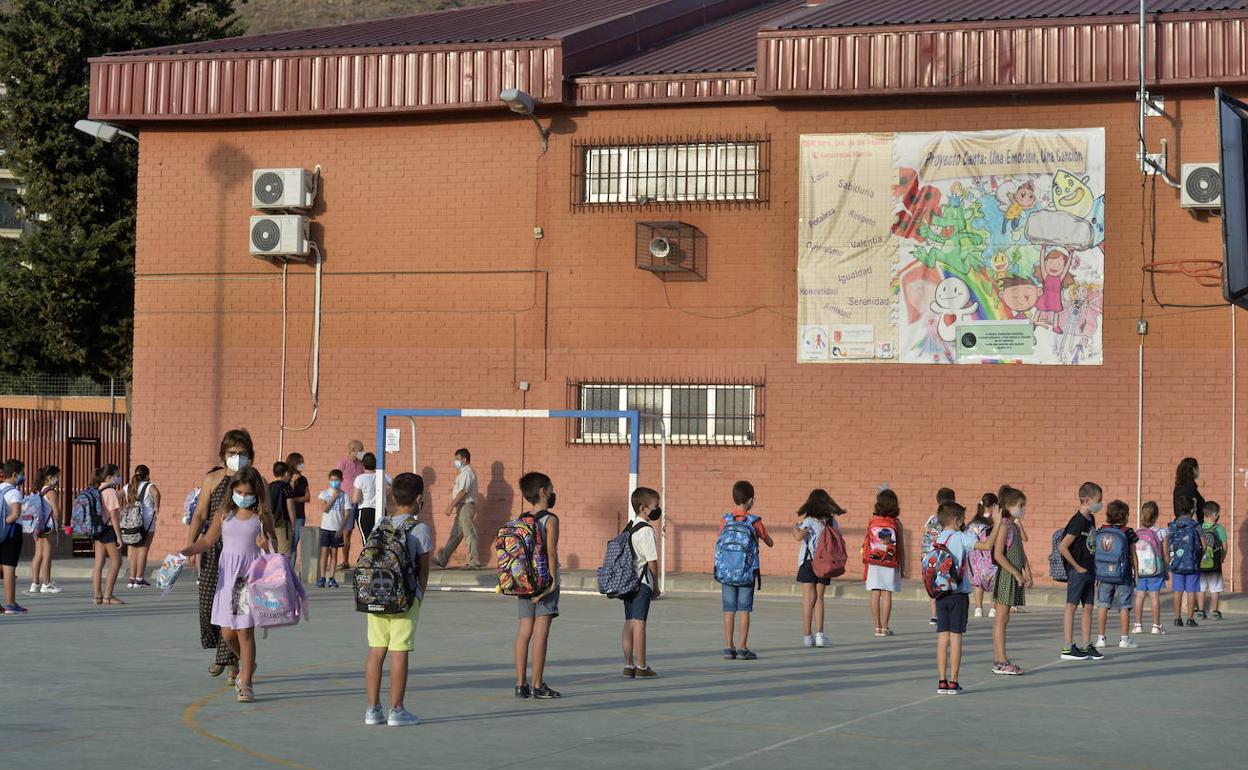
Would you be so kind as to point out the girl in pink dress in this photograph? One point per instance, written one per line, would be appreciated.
(246, 519)
(1054, 275)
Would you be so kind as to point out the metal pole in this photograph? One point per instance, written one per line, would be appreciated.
(1231, 552)
(1139, 434)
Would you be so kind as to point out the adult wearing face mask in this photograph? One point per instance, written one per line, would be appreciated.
(236, 452)
(464, 508)
(299, 496)
(351, 466)
(1185, 477)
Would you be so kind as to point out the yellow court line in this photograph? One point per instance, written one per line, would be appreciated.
(188, 717)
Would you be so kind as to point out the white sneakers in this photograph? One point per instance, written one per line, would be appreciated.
(808, 641)
(401, 717)
(1158, 630)
(979, 612)
(1138, 629)
(992, 612)
(34, 588)
(1127, 643)
(1100, 643)
(375, 716)
(821, 640)
(46, 588)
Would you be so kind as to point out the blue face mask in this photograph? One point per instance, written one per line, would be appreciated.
(244, 501)
(334, 484)
(21, 478)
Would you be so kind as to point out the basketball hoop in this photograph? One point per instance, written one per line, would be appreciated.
(1206, 272)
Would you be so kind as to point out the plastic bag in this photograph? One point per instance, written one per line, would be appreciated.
(169, 571)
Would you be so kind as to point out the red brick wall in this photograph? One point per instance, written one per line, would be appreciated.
(464, 193)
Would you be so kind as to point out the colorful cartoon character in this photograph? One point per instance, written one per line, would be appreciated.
(952, 304)
(1072, 194)
(1019, 295)
(1015, 200)
(955, 243)
(1000, 266)
(1053, 272)
(918, 204)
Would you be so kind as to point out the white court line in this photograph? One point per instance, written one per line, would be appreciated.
(839, 725)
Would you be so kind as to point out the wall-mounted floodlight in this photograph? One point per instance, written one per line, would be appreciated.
(105, 132)
(522, 104)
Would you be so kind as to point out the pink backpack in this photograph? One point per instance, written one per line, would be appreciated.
(983, 568)
(277, 596)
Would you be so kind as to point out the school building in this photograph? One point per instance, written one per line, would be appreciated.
(642, 250)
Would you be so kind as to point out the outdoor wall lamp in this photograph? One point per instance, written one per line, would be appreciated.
(105, 132)
(522, 104)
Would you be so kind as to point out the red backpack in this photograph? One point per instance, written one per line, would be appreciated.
(830, 554)
(880, 545)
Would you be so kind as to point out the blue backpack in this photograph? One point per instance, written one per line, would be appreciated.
(1113, 565)
(736, 553)
(618, 576)
(7, 530)
(1185, 546)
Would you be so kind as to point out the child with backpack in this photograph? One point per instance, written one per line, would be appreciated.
(1076, 548)
(645, 564)
(1116, 568)
(40, 518)
(1213, 548)
(535, 611)
(884, 558)
(931, 528)
(947, 577)
(820, 558)
(11, 497)
(1150, 558)
(983, 568)
(1184, 547)
(1013, 574)
(106, 533)
(334, 509)
(738, 569)
(391, 578)
(138, 523)
(246, 519)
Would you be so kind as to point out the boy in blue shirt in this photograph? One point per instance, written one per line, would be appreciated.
(952, 608)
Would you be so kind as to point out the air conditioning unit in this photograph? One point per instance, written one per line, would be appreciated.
(281, 188)
(280, 236)
(673, 251)
(1202, 186)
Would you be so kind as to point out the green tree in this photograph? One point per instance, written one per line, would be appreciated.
(67, 287)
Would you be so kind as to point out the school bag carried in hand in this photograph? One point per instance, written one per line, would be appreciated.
(85, 518)
(1185, 547)
(523, 566)
(736, 552)
(942, 571)
(618, 574)
(189, 505)
(133, 530)
(830, 554)
(879, 547)
(1211, 550)
(277, 597)
(386, 577)
(169, 571)
(1148, 553)
(1113, 556)
(36, 515)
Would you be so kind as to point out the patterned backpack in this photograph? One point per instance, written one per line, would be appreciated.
(36, 515)
(880, 545)
(1148, 553)
(618, 574)
(1184, 546)
(132, 530)
(523, 566)
(1211, 550)
(277, 596)
(85, 519)
(736, 552)
(983, 568)
(942, 571)
(386, 578)
(1057, 565)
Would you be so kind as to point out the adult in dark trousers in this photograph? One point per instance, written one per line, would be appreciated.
(299, 496)
(236, 452)
(463, 507)
(1185, 477)
(364, 497)
(351, 466)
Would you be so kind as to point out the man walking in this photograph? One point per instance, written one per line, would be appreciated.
(464, 507)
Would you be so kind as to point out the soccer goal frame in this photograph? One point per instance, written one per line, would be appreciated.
(633, 416)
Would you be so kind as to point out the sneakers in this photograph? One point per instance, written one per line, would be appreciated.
(50, 588)
(730, 653)
(992, 612)
(332, 583)
(1217, 614)
(956, 689)
(1158, 630)
(1202, 614)
(630, 672)
(523, 691)
(320, 582)
(375, 716)
(1127, 643)
(1139, 629)
(808, 641)
(821, 640)
(34, 588)
(401, 717)
(1092, 653)
(545, 693)
(932, 622)
(1101, 641)
(644, 673)
(942, 687)
(1178, 622)
(12, 609)
(1073, 652)
(1191, 623)
(979, 612)
(746, 654)
(142, 583)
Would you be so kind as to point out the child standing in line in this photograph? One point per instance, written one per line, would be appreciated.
(1076, 549)
(1116, 581)
(1213, 536)
(932, 528)
(983, 568)
(537, 613)
(393, 633)
(951, 609)
(817, 513)
(739, 599)
(645, 505)
(246, 519)
(44, 501)
(11, 498)
(1150, 555)
(1183, 543)
(333, 513)
(884, 557)
(1013, 575)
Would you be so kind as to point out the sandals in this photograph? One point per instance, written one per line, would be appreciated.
(246, 695)
(883, 632)
(1007, 669)
(99, 600)
(215, 669)
(112, 601)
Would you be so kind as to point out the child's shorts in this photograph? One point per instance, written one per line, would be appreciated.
(738, 598)
(1109, 596)
(1185, 584)
(1211, 583)
(331, 538)
(951, 613)
(806, 574)
(11, 549)
(394, 632)
(637, 604)
(1081, 587)
(547, 606)
(1148, 584)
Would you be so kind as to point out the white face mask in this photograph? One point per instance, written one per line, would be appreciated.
(236, 462)
(300, 468)
(458, 464)
(359, 455)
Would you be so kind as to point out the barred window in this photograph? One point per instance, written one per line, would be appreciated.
(710, 414)
(642, 173)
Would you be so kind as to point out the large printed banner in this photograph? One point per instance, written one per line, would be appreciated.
(952, 247)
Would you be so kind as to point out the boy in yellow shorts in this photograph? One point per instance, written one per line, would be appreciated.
(393, 633)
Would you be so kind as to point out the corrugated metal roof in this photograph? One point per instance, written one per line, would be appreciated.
(729, 46)
(507, 21)
(861, 13)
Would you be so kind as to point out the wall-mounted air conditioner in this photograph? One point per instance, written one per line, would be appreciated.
(282, 188)
(1202, 186)
(282, 236)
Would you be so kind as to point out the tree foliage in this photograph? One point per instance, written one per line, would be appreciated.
(67, 287)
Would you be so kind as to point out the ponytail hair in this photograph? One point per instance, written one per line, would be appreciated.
(989, 500)
(45, 473)
(141, 475)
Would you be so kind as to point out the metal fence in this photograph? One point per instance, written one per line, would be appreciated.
(39, 384)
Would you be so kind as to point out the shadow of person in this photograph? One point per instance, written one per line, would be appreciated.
(430, 476)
